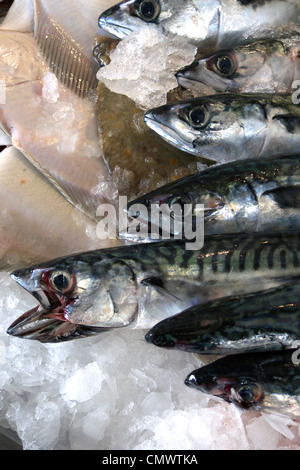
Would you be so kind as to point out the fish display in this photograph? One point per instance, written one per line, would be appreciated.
(257, 321)
(269, 66)
(210, 24)
(137, 286)
(260, 381)
(242, 196)
(83, 144)
(230, 127)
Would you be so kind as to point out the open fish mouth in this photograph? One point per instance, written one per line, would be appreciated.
(47, 322)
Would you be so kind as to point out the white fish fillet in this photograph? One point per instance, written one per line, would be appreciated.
(53, 127)
(36, 222)
(65, 32)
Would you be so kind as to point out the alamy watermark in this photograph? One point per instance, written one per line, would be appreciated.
(296, 353)
(156, 222)
(296, 94)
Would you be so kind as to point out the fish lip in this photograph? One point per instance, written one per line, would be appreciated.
(108, 22)
(165, 131)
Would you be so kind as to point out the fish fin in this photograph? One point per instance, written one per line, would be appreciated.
(158, 285)
(20, 17)
(289, 121)
(63, 54)
(287, 197)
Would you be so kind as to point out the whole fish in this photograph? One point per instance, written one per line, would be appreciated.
(230, 127)
(210, 24)
(260, 381)
(139, 285)
(268, 66)
(242, 196)
(264, 320)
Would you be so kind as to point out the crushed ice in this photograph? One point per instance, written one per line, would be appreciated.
(144, 64)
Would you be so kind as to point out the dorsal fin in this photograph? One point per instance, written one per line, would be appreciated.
(64, 55)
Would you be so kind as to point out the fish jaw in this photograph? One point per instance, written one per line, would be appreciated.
(163, 121)
(242, 392)
(46, 322)
(118, 21)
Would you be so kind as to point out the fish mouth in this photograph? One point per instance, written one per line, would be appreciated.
(112, 21)
(46, 322)
(218, 387)
(156, 122)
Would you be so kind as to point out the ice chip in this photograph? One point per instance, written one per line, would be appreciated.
(84, 383)
(50, 88)
(149, 74)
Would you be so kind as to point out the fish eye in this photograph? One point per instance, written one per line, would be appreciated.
(61, 281)
(147, 10)
(249, 394)
(198, 117)
(225, 65)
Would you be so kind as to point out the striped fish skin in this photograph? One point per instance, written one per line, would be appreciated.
(139, 285)
(264, 320)
(242, 196)
(260, 381)
(210, 25)
(229, 127)
(268, 66)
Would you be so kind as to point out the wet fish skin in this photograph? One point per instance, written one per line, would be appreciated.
(268, 66)
(259, 381)
(211, 25)
(230, 127)
(137, 286)
(259, 321)
(242, 196)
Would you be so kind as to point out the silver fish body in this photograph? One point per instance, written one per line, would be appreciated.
(259, 381)
(259, 195)
(268, 66)
(230, 127)
(139, 285)
(259, 321)
(210, 24)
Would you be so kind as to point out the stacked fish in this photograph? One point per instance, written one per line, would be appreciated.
(238, 293)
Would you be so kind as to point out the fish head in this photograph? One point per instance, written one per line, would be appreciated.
(211, 127)
(185, 201)
(230, 71)
(243, 391)
(128, 16)
(78, 296)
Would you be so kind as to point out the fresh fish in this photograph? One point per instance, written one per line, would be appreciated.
(210, 24)
(242, 196)
(259, 381)
(139, 285)
(65, 33)
(269, 66)
(36, 222)
(230, 127)
(264, 320)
